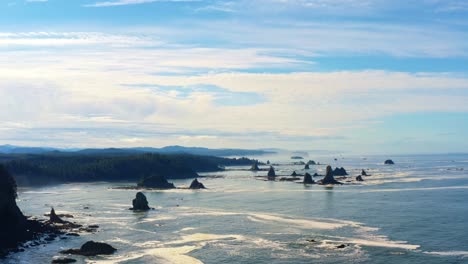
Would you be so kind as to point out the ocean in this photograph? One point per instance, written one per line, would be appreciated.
(415, 211)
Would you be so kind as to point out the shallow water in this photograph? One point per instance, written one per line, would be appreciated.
(412, 212)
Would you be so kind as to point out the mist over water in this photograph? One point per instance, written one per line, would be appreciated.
(412, 212)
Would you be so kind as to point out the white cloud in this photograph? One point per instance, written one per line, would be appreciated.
(131, 2)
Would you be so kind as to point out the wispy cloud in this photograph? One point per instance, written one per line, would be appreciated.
(131, 2)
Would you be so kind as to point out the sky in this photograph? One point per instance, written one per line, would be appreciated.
(354, 76)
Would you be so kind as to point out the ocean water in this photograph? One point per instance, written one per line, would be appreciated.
(413, 212)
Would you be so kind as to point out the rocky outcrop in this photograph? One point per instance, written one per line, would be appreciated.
(389, 162)
(255, 167)
(311, 162)
(92, 248)
(196, 185)
(364, 173)
(329, 179)
(54, 218)
(268, 162)
(308, 179)
(359, 178)
(156, 182)
(140, 203)
(306, 167)
(315, 175)
(271, 173)
(339, 172)
(294, 173)
(63, 260)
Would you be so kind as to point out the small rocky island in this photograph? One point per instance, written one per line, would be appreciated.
(195, 185)
(271, 173)
(329, 179)
(389, 162)
(155, 182)
(140, 203)
(308, 179)
(91, 248)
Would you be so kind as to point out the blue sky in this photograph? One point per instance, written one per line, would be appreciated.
(368, 76)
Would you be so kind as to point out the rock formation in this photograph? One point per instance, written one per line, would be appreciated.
(308, 179)
(329, 179)
(389, 162)
(339, 172)
(63, 260)
(311, 162)
(306, 167)
(196, 185)
(268, 162)
(156, 181)
(315, 175)
(359, 178)
(364, 173)
(294, 173)
(91, 248)
(271, 173)
(140, 203)
(54, 218)
(255, 166)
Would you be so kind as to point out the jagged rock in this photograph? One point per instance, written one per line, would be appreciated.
(271, 173)
(359, 178)
(294, 173)
(389, 162)
(196, 185)
(315, 175)
(91, 248)
(308, 179)
(329, 179)
(140, 203)
(268, 162)
(364, 173)
(339, 172)
(63, 260)
(306, 167)
(157, 182)
(311, 162)
(54, 218)
(255, 166)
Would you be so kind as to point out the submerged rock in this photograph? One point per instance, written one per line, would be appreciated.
(389, 162)
(308, 179)
(255, 166)
(271, 173)
(359, 178)
(196, 185)
(329, 179)
(339, 172)
(91, 248)
(306, 167)
(294, 173)
(364, 173)
(140, 203)
(156, 181)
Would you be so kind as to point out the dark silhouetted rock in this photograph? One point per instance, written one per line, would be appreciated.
(315, 174)
(359, 178)
(306, 167)
(329, 179)
(255, 166)
(196, 185)
(289, 179)
(294, 173)
(157, 182)
(341, 246)
(140, 203)
(297, 157)
(311, 162)
(389, 162)
(271, 173)
(63, 260)
(308, 179)
(339, 172)
(268, 162)
(364, 173)
(91, 248)
(54, 218)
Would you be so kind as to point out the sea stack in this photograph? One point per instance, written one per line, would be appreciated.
(140, 203)
(306, 167)
(255, 166)
(329, 179)
(91, 248)
(54, 218)
(364, 173)
(308, 179)
(359, 178)
(294, 173)
(389, 162)
(156, 181)
(271, 173)
(268, 162)
(340, 172)
(311, 162)
(196, 185)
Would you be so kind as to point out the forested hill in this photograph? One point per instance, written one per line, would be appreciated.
(58, 168)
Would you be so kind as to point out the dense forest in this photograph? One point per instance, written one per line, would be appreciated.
(29, 169)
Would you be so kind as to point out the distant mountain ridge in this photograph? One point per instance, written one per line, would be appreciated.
(10, 149)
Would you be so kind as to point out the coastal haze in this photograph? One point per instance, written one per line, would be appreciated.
(207, 131)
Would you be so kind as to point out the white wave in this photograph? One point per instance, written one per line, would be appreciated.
(176, 255)
(201, 237)
(374, 241)
(463, 254)
(298, 223)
